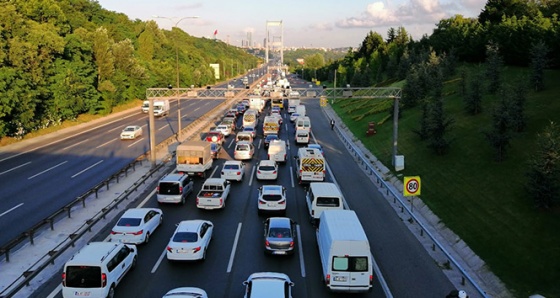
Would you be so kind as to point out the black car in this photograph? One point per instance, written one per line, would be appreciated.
(269, 138)
(215, 149)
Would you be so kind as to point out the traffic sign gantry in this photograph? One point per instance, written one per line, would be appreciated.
(411, 185)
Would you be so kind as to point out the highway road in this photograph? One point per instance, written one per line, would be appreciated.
(236, 250)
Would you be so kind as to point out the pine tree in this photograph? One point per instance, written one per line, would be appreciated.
(499, 134)
(438, 127)
(473, 98)
(538, 63)
(494, 64)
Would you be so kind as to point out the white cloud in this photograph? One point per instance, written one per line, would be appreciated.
(322, 26)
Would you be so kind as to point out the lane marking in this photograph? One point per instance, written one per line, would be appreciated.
(252, 175)
(156, 265)
(105, 144)
(11, 209)
(75, 144)
(88, 168)
(292, 176)
(135, 143)
(232, 255)
(163, 127)
(300, 247)
(14, 168)
(47, 170)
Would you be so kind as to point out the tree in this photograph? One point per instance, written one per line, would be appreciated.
(538, 63)
(543, 176)
(438, 127)
(499, 135)
(517, 106)
(494, 64)
(473, 98)
(423, 131)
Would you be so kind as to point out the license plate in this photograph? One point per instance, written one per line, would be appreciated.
(280, 252)
(271, 205)
(340, 278)
(82, 294)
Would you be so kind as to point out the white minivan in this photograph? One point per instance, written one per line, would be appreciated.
(97, 269)
(322, 196)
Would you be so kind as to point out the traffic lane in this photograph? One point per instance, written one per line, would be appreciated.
(397, 252)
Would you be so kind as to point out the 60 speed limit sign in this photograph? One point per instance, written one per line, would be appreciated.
(411, 186)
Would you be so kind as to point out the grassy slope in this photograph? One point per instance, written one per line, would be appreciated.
(481, 200)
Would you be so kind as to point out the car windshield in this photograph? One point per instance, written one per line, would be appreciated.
(185, 237)
(129, 222)
(248, 129)
(242, 148)
(279, 233)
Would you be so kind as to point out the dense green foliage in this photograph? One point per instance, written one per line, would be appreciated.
(60, 59)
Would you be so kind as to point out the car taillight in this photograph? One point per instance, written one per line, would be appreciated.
(114, 233)
(371, 280)
(157, 189)
(169, 249)
(103, 280)
(282, 202)
(238, 173)
(180, 189)
(196, 249)
(291, 243)
(63, 279)
(269, 156)
(258, 171)
(274, 172)
(328, 279)
(262, 202)
(138, 233)
(266, 243)
(197, 201)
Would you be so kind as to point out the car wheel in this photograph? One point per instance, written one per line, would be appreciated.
(133, 263)
(111, 293)
(147, 238)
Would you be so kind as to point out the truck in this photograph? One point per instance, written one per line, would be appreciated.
(256, 103)
(300, 109)
(277, 151)
(145, 106)
(213, 194)
(345, 252)
(310, 165)
(161, 107)
(271, 125)
(194, 158)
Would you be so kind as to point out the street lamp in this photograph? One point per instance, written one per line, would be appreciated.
(177, 67)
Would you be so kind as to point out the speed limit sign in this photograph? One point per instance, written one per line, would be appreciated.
(411, 186)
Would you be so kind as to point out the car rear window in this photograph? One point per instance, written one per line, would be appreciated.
(169, 188)
(242, 148)
(129, 222)
(266, 168)
(272, 197)
(83, 276)
(231, 167)
(279, 233)
(351, 264)
(328, 202)
(185, 237)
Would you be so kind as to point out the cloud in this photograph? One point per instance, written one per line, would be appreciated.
(409, 13)
(322, 26)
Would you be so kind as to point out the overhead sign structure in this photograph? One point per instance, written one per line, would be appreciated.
(411, 185)
(323, 101)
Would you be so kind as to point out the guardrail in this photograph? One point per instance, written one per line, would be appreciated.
(390, 190)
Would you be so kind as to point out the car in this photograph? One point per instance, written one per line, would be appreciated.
(232, 112)
(267, 170)
(316, 146)
(279, 236)
(224, 129)
(268, 285)
(246, 103)
(131, 132)
(243, 150)
(233, 170)
(215, 136)
(269, 138)
(272, 198)
(215, 149)
(190, 240)
(241, 108)
(293, 117)
(136, 225)
(174, 188)
(231, 122)
(250, 129)
(186, 292)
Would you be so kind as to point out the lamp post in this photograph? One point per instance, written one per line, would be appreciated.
(177, 68)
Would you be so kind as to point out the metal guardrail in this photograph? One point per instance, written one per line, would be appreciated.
(390, 190)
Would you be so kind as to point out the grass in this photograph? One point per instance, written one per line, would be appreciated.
(69, 123)
(482, 200)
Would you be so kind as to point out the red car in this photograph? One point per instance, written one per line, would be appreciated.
(215, 137)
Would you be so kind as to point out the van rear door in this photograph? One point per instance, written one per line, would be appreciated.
(351, 273)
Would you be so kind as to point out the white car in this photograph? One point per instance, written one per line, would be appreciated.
(186, 292)
(131, 132)
(267, 170)
(225, 129)
(190, 240)
(136, 225)
(250, 129)
(233, 170)
(243, 150)
(293, 117)
(272, 198)
(268, 285)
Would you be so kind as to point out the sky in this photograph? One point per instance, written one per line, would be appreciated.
(305, 23)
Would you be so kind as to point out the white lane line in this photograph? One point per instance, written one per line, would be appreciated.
(75, 144)
(156, 265)
(82, 171)
(104, 144)
(135, 143)
(196, 109)
(230, 143)
(252, 175)
(230, 264)
(11, 209)
(14, 168)
(163, 127)
(300, 247)
(55, 292)
(292, 176)
(113, 129)
(47, 170)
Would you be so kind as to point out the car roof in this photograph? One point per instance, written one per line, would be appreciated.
(186, 292)
(233, 162)
(244, 143)
(138, 212)
(274, 189)
(267, 162)
(190, 225)
(279, 222)
(266, 284)
(172, 177)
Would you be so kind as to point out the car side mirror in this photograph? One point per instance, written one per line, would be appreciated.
(245, 283)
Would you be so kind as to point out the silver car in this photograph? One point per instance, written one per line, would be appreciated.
(131, 132)
(279, 236)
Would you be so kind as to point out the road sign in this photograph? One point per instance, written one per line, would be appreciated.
(323, 101)
(411, 186)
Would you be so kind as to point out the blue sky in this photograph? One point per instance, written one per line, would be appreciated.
(306, 23)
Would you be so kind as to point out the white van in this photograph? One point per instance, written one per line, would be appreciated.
(277, 150)
(97, 269)
(345, 252)
(303, 122)
(302, 136)
(322, 196)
